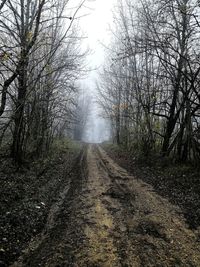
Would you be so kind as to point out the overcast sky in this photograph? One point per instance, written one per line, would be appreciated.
(97, 17)
(96, 26)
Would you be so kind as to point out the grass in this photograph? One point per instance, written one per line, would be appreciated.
(63, 145)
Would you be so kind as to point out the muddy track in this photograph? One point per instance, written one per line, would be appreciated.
(107, 218)
(154, 232)
(55, 245)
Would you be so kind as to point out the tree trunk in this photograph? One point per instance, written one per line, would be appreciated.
(17, 146)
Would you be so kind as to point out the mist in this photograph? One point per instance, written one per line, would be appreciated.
(95, 25)
(97, 128)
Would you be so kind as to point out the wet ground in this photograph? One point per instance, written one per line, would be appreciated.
(179, 182)
(106, 218)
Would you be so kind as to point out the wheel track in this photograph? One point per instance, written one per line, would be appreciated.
(155, 230)
(39, 250)
(114, 220)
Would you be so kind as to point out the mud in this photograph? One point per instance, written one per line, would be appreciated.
(107, 218)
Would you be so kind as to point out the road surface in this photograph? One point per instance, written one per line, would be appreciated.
(107, 218)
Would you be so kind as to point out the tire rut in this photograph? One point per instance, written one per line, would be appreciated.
(107, 218)
(55, 245)
(154, 230)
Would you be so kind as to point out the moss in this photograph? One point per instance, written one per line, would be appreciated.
(64, 145)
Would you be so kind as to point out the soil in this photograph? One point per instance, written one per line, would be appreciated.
(29, 195)
(179, 183)
(104, 217)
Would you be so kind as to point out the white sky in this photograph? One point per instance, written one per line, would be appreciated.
(94, 18)
(95, 26)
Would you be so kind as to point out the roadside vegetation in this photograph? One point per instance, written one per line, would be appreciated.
(41, 61)
(149, 84)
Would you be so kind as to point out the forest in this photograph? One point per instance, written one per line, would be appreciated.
(149, 85)
(99, 150)
(41, 60)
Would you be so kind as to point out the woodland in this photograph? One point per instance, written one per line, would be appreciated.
(149, 86)
(41, 60)
(132, 200)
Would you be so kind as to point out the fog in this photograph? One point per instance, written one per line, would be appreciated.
(97, 129)
(96, 18)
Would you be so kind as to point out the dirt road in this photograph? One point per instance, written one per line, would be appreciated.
(107, 218)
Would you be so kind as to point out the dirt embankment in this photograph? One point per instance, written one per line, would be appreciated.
(107, 218)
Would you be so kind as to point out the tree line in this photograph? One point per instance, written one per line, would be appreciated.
(40, 62)
(149, 86)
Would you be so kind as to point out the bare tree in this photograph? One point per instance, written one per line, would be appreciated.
(157, 57)
(41, 59)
